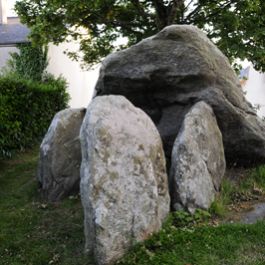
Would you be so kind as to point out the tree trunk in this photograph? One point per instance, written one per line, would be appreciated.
(168, 14)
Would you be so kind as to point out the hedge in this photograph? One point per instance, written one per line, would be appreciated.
(26, 110)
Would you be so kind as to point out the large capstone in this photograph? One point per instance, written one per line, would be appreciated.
(124, 186)
(60, 156)
(168, 73)
(198, 162)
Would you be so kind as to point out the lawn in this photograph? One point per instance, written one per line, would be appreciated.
(31, 231)
(37, 233)
(202, 245)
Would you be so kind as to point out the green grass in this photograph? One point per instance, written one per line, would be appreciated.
(250, 187)
(31, 231)
(219, 206)
(202, 245)
(194, 240)
(256, 179)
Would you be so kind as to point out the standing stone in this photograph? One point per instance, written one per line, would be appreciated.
(60, 156)
(198, 162)
(124, 187)
(169, 72)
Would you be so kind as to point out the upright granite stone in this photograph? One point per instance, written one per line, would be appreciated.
(60, 156)
(168, 73)
(198, 162)
(124, 187)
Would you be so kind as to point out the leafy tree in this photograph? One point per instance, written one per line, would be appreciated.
(236, 26)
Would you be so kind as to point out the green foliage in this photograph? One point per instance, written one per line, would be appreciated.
(250, 187)
(26, 110)
(257, 178)
(185, 219)
(30, 62)
(231, 192)
(223, 199)
(218, 208)
(236, 26)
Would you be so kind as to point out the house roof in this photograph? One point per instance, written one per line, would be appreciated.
(13, 32)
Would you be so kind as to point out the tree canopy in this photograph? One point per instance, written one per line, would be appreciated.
(235, 26)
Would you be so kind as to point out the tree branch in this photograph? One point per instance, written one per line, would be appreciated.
(189, 18)
(194, 12)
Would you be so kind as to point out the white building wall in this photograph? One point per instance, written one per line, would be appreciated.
(5, 55)
(81, 83)
(254, 88)
(3, 11)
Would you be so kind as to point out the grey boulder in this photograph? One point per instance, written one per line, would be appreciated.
(169, 72)
(124, 186)
(60, 156)
(198, 162)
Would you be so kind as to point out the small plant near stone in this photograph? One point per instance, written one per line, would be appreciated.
(256, 179)
(252, 187)
(249, 188)
(185, 219)
(218, 207)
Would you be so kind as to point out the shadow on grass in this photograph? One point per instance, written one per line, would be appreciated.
(31, 231)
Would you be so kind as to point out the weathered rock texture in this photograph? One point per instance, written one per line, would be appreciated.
(198, 162)
(60, 156)
(124, 187)
(169, 72)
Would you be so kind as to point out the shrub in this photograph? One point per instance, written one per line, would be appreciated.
(30, 62)
(26, 110)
